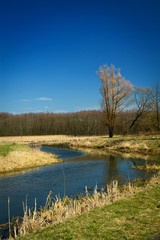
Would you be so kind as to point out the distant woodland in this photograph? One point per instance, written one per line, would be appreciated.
(79, 123)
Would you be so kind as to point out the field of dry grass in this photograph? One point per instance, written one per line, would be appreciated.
(21, 157)
(53, 139)
(116, 143)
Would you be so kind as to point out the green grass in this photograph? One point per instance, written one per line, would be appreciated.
(137, 217)
(5, 149)
(154, 144)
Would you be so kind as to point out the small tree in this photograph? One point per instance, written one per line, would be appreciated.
(142, 100)
(115, 91)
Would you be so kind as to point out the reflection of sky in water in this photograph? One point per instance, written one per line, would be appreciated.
(77, 171)
(63, 153)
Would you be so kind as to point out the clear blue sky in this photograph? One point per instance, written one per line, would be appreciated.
(50, 50)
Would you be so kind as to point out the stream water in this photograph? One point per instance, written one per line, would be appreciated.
(67, 178)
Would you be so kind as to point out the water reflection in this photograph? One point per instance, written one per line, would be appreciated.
(113, 171)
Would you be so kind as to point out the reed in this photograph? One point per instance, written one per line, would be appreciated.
(9, 219)
(134, 217)
(58, 210)
(148, 167)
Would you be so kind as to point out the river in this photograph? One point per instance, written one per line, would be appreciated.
(67, 178)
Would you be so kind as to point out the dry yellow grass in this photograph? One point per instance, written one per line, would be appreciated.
(25, 159)
(148, 167)
(131, 145)
(19, 161)
(49, 139)
(30, 139)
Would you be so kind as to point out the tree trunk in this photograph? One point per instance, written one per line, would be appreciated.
(136, 118)
(110, 131)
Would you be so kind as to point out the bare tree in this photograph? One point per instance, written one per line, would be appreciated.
(115, 91)
(156, 101)
(142, 101)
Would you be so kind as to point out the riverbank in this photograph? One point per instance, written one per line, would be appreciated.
(17, 157)
(132, 213)
(92, 228)
(138, 144)
(146, 147)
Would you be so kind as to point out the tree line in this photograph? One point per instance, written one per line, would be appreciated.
(83, 123)
(80, 123)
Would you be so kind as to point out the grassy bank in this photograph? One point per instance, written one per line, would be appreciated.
(136, 216)
(129, 144)
(135, 144)
(18, 157)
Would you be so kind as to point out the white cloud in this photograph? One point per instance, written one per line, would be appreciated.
(25, 100)
(60, 111)
(87, 108)
(44, 99)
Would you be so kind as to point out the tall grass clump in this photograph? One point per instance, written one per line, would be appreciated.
(148, 167)
(57, 210)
